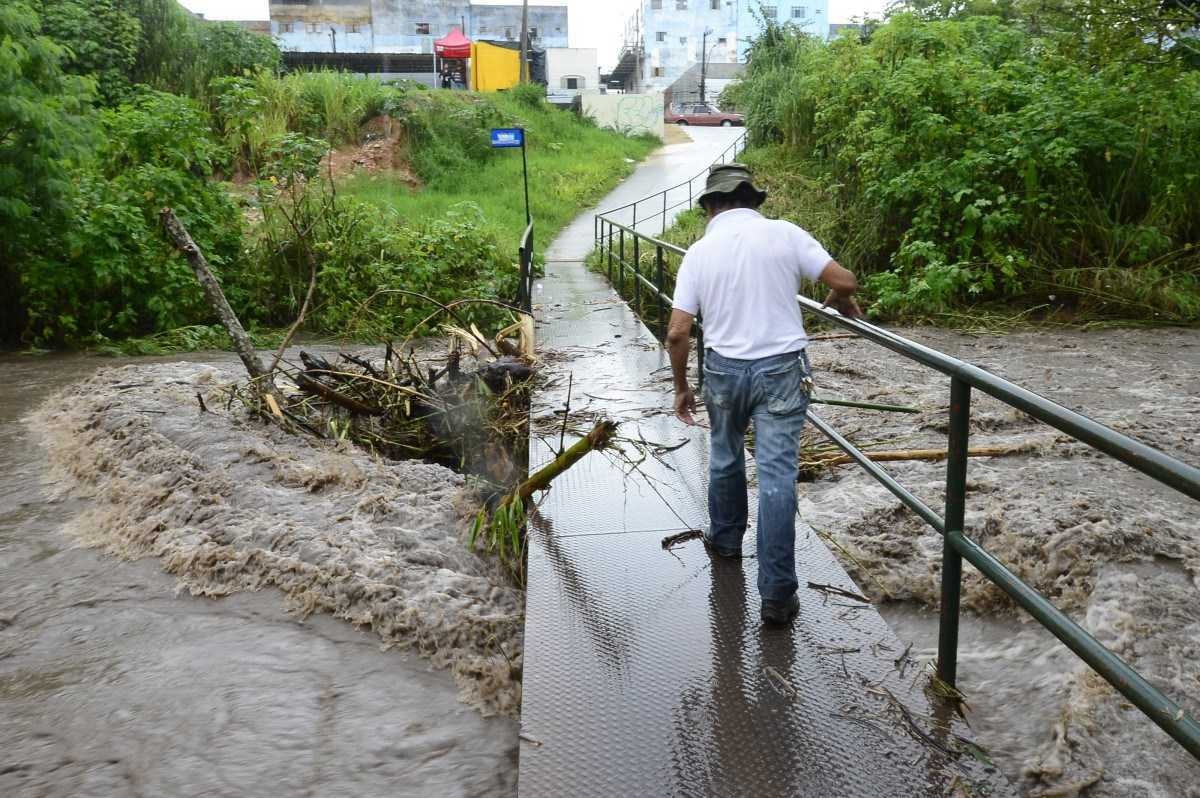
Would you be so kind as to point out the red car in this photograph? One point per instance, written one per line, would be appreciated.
(701, 114)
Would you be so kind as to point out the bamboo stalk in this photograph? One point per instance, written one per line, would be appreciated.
(598, 438)
(924, 454)
(822, 400)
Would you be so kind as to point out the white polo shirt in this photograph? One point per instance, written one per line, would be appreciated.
(743, 277)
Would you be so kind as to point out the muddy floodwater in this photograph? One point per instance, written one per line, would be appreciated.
(1115, 550)
(232, 675)
(192, 603)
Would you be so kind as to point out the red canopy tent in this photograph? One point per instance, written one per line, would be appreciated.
(453, 45)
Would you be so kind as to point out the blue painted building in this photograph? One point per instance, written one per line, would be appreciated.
(405, 26)
(665, 38)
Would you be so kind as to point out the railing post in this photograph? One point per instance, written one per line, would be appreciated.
(633, 226)
(608, 236)
(664, 224)
(621, 265)
(956, 494)
(658, 281)
(637, 270)
(690, 194)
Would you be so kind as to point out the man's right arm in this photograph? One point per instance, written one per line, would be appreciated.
(842, 286)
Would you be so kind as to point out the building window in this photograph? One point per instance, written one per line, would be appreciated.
(681, 5)
(533, 33)
(286, 27)
(573, 82)
(683, 40)
(714, 5)
(771, 12)
(722, 41)
(799, 12)
(656, 4)
(661, 36)
(312, 27)
(422, 28)
(658, 72)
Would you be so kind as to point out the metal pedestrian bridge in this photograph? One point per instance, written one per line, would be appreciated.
(647, 671)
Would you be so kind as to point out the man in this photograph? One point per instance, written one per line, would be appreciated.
(742, 277)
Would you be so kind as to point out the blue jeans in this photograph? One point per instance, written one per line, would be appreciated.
(773, 392)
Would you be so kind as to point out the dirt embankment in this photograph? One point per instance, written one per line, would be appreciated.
(384, 149)
(227, 503)
(1115, 550)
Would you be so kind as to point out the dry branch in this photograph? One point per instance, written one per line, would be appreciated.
(261, 378)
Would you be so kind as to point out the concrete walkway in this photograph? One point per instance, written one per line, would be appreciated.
(646, 670)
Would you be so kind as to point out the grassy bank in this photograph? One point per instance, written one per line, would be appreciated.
(572, 164)
(105, 132)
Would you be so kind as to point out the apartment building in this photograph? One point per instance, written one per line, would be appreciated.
(667, 37)
(405, 26)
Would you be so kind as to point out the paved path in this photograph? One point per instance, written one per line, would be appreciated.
(647, 671)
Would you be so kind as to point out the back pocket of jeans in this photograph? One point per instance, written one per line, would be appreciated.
(785, 390)
(718, 388)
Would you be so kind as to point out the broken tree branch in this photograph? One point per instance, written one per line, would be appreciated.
(260, 377)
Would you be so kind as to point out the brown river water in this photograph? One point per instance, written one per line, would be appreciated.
(115, 680)
(193, 604)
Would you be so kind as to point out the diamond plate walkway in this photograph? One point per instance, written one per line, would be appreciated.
(647, 672)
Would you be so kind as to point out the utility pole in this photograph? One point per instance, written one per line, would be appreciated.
(524, 41)
(704, 64)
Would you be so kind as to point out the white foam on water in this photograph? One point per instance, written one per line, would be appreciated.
(229, 503)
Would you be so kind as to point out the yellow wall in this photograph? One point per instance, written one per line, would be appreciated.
(494, 68)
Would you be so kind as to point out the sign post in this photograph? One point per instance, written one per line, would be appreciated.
(509, 138)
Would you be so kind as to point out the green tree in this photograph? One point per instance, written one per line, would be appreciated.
(112, 274)
(102, 37)
(44, 131)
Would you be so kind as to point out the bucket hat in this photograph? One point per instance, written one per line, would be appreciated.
(726, 178)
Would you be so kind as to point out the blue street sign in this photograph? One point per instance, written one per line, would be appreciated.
(506, 137)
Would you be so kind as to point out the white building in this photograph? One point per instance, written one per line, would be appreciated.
(571, 71)
(405, 26)
(667, 37)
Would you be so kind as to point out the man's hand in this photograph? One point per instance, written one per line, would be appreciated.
(846, 305)
(685, 406)
(679, 343)
(843, 285)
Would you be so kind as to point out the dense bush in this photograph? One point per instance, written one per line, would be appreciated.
(360, 252)
(974, 159)
(110, 273)
(155, 42)
(102, 38)
(44, 134)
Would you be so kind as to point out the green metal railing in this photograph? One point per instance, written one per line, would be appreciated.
(965, 378)
(524, 298)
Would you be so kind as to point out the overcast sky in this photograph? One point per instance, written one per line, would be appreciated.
(592, 23)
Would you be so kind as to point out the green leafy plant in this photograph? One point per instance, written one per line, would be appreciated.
(45, 134)
(968, 160)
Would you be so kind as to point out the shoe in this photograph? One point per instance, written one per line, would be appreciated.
(780, 613)
(714, 551)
